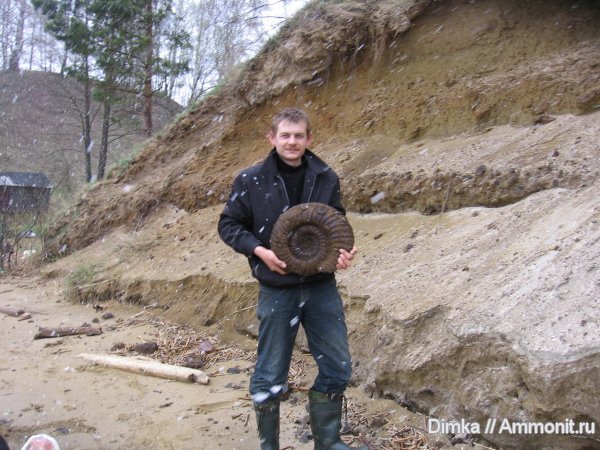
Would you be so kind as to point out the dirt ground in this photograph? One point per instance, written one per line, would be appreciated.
(45, 387)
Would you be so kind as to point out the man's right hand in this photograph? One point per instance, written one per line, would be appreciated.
(270, 259)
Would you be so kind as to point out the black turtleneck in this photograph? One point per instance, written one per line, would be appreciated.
(293, 178)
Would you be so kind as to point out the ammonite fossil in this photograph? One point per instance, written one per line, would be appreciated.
(308, 238)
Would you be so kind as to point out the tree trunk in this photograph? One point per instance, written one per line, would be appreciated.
(15, 56)
(63, 62)
(148, 70)
(104, 144)
(5, 247)
(87, 123)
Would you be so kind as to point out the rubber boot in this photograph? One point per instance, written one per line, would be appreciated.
(325, 411)
(267, 420)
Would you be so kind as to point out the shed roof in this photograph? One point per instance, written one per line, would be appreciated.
(30, 179)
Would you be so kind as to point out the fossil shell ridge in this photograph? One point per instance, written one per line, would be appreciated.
(308, 236)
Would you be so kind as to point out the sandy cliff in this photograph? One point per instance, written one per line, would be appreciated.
(466, 137)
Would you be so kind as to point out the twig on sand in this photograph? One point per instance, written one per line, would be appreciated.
(234, 313)
(407, 438)
(69, 331)
(443, 208)
(145, 309)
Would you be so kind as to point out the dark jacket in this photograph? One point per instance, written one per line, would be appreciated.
(258, 198)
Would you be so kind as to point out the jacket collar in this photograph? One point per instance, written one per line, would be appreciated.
(314, 163)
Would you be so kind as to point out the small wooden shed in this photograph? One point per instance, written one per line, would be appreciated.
(24, 191)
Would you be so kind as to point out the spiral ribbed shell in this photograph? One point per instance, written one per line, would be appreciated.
(309, 236)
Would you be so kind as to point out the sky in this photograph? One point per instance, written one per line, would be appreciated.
(279, 9)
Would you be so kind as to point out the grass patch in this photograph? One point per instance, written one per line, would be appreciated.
(79, 279)
(122, 164)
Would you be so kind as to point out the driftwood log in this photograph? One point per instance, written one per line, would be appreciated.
(44, 333)
(9, 311)
(148, 367)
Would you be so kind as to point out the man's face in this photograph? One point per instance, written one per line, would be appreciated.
(290, 141)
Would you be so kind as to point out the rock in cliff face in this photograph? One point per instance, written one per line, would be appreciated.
(466, 137)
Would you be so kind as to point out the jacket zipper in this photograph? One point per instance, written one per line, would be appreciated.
(284, 190)
(312, 187)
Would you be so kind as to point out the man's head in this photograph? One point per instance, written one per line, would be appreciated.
(290, 135)
(293, 115)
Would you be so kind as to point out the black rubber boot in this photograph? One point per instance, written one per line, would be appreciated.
(325, 412)
(267, 420)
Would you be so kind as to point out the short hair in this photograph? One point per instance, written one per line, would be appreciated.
(293, 115)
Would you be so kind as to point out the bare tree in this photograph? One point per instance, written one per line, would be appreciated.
(224, 34)
(15, 55)
(43, 51)
(23, 42)
(8, 25)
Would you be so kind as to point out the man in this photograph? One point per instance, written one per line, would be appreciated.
(291, 174)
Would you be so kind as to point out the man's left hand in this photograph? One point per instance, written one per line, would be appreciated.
(345, 259)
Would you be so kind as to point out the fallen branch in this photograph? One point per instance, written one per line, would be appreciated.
(70, 331)
(148, 367)
(234, 313)
(14, 312)
(143, 311)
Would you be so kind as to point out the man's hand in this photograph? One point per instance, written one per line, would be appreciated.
(270, 259)
(345, 259)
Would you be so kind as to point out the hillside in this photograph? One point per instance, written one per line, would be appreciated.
(466, 136)
(40, 129)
